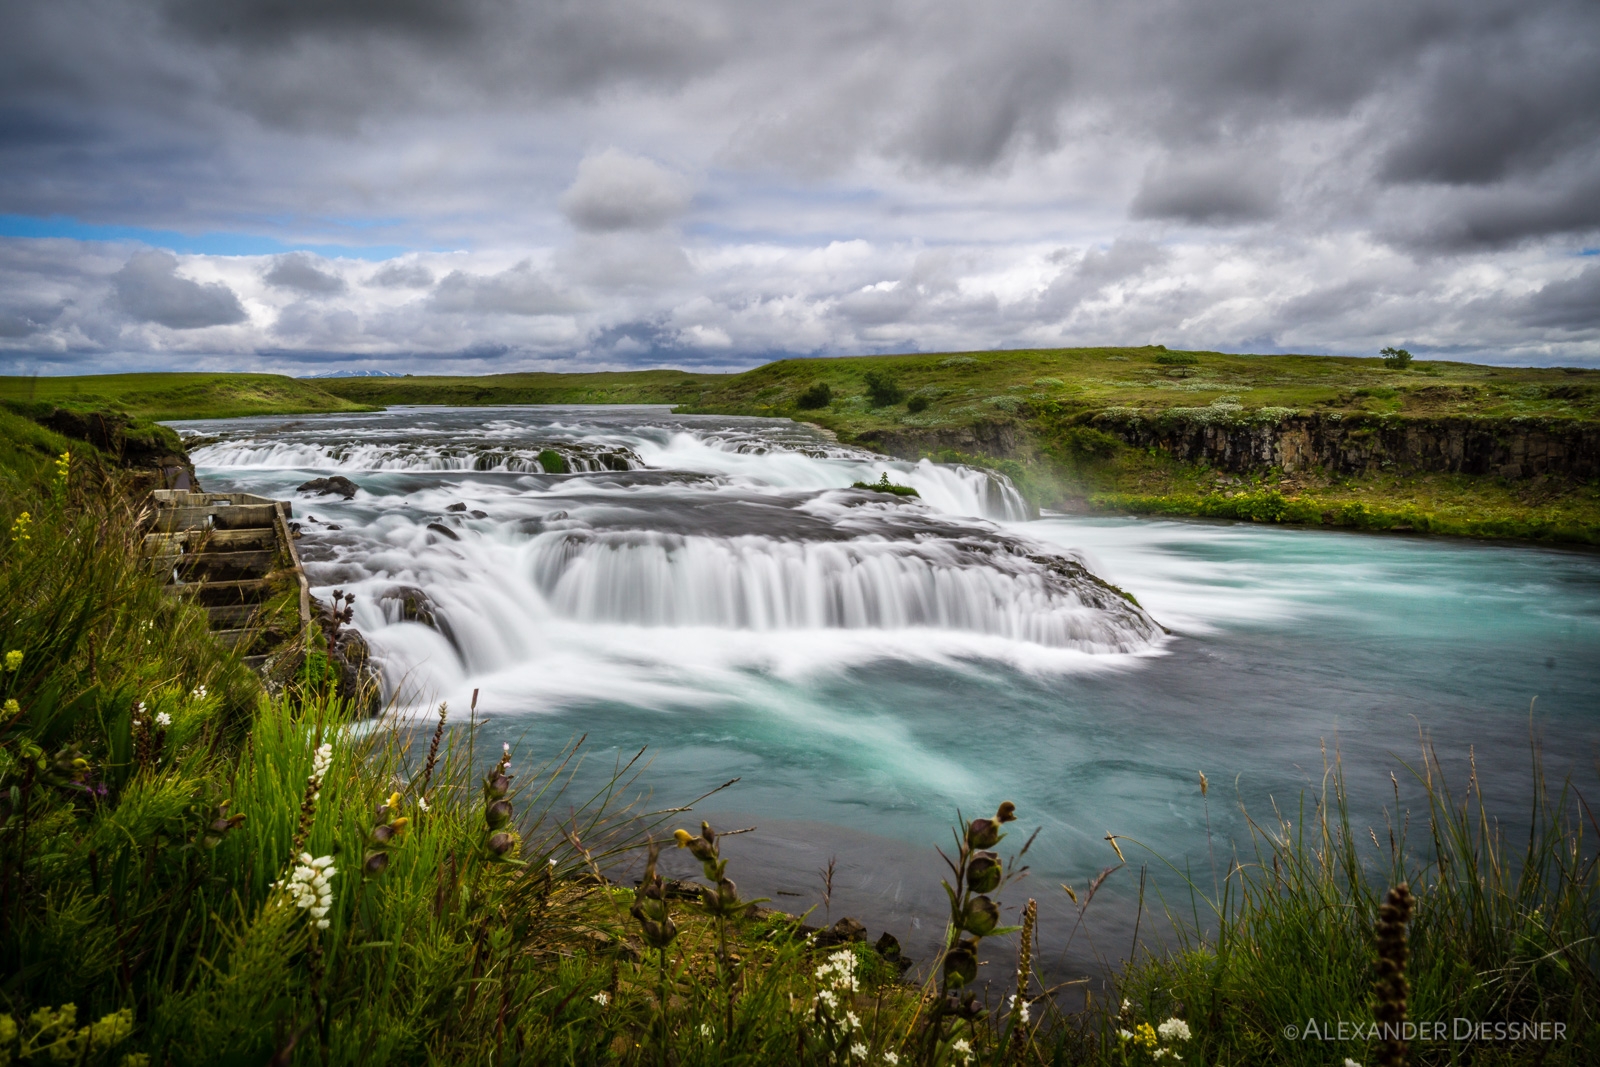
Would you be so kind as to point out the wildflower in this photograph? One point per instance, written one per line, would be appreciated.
(13, 659)
(601, 998)
(852, 1021)
(1348, 1062)
(13, 708)
(63, 467)
(891, 1058)
(1174, 1030)
(319, 765)
(1126, 1035)
(858, 1050)
(308, 887)
(963, 1048)
(1145, 1034)
(1020, 1007)
(1127, 1005)
(705, 1029)
(198, 692)
(422, 805)
(163, 720)
(19, 528)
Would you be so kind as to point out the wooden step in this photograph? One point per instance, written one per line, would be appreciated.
(225, 566)
(227, 517)
(209, 594)
(244, 516)
(235, 638)
(234, 616)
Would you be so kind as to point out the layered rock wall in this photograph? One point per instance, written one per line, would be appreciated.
(1504, 448)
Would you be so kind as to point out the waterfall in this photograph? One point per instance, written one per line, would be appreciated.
(760, 583)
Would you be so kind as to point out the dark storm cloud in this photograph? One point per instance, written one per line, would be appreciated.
(150, 289)
(299, 271)
(1230, 189)
(1572, 304)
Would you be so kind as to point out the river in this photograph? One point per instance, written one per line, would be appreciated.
(866, 664)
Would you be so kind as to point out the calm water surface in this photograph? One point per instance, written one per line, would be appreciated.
(711, 588)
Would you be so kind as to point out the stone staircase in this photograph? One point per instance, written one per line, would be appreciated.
(233, 554)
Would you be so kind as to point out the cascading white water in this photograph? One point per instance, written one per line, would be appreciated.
(470, 559)
(758, 583)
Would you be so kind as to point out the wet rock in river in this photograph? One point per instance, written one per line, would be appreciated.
(337, 485)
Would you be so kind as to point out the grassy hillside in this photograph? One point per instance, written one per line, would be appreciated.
(178, 396)
(621, 387)
(966, 386)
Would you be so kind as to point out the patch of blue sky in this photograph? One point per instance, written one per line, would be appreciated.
(208, 244)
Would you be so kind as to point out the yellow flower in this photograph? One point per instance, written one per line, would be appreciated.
(63, 466)
(19, 528)
(11, 707)
(683, 837)
(1145, 1034)
(13, 659)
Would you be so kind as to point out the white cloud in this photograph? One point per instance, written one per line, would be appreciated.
(616, 191)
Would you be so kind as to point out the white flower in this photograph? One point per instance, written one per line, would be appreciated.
(198, 692)
(1021, 1009)
(705, 1029)
(1127, 1005)
(1348, 1062)
(891, 1058)
(961, 1047)
(601, 998)
(422, 804)
(1126, 1035)
(163, 720)
(858, 1050)
(1174, 1030)
(138, 708)
(323, 760)
(322, 924)
(827, 997)
(851, 1021)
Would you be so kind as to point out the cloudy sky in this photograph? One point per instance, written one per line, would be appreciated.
(478, 185)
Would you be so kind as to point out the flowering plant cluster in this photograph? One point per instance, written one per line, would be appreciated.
(1159, 1043)
(309, 889)
(838, 1028)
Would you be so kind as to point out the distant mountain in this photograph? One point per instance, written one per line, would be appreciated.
(355, 374)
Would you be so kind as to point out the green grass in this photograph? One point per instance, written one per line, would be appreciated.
(1506, 929)
(605, 387)
(178, 396)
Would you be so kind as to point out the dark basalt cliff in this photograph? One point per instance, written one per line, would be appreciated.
(1363, 444)
(1344, 444)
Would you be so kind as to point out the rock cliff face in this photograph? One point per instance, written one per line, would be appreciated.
(1352, 445)
(1505, 448)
